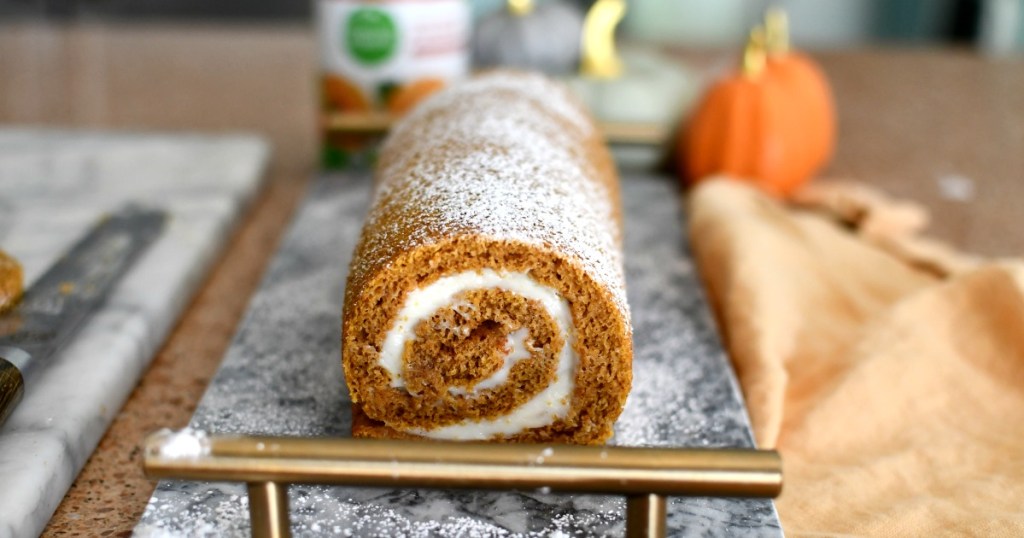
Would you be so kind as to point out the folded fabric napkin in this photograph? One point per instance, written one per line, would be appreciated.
(887, 369)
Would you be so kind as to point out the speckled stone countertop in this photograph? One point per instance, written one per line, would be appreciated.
(282, 376)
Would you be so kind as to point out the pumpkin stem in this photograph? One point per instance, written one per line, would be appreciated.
(520, 8)
(776, 24)
(754, 55)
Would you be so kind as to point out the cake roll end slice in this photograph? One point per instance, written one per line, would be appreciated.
(486, 297)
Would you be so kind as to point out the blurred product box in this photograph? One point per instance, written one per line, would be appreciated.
(378, 58)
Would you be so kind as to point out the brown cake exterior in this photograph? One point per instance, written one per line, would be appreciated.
(501, 179)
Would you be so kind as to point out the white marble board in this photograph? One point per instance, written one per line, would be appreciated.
(54, 185)
(282, 376)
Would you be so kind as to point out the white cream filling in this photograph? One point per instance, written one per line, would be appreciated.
(551, 403)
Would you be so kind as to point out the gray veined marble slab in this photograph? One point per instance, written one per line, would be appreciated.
(53, 186)
(282, 376)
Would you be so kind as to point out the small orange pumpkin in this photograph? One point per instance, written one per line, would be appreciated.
(810, 89)
(757, 125)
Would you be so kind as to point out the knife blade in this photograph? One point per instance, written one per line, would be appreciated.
(62, 298)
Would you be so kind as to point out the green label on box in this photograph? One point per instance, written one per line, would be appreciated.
(371, 36)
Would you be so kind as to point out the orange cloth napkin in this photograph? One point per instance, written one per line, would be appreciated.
(888, 370)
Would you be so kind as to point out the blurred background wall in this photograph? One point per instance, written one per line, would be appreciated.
(993, 25)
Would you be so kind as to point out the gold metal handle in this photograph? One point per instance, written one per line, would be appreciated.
(12, 386)
(645, 475)
(268, 509)
(645, 515)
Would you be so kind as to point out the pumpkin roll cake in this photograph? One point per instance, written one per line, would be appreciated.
(486, 298)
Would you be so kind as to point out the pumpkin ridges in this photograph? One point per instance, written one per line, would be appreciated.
(806, 77)
(699, 154)
(793, 137)
(812, 104)
(719, 135)
(809, 86)
(741, 142)
(717, 141)
(773, 151)
(715, 158)
(763, 150)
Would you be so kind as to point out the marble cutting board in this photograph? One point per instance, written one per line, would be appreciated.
(53, 186)
(282, 376)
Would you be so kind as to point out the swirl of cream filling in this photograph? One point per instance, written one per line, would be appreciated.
(550, 404)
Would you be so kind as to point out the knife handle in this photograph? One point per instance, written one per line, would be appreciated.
(12, 385)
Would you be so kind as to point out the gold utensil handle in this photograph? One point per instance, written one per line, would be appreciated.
(12, 386)
(644, 475)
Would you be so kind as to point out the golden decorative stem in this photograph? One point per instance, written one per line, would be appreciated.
(754, 56)
(776, 24)
(520, 8)
(600, 58)
(12, 386)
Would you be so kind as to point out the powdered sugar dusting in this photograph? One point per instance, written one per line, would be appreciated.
(501, 156)
(553, 97)
(184, 444)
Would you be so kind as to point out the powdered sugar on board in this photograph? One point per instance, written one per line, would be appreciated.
(183, 444)
(502, 156)
(282, 376)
